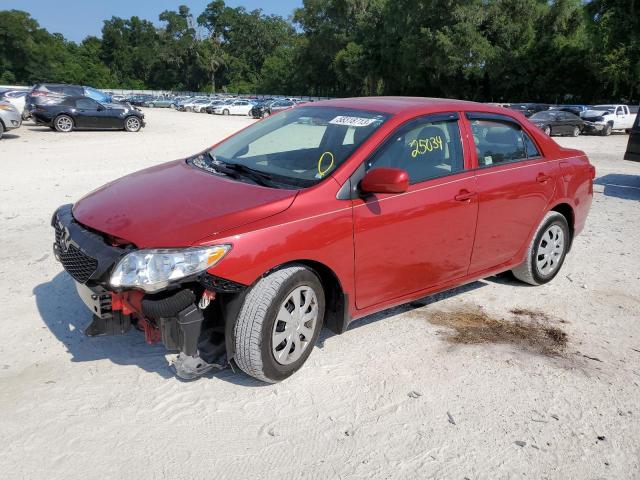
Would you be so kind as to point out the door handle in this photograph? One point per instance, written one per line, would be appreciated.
(542, 178)
(464, 196)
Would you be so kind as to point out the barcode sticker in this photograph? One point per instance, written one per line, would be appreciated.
(352, 121)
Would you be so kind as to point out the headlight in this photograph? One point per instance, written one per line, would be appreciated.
(153, 270)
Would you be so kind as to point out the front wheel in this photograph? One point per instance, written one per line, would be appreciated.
(547, 251)
(225, 112)
(132, 124)
(547, 130)
(575, 132)
(279, 323)
(63, 123)
(607, 130)
(151, 105)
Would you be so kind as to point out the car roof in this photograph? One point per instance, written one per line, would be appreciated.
(395, 105)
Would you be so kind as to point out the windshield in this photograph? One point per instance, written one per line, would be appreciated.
(296, 148)
(542, 116)
(97, 95)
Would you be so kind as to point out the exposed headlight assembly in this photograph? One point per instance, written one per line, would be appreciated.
(153, 270)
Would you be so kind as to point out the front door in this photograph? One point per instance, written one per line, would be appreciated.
(515, 183)
(408, 242)
(87, 114)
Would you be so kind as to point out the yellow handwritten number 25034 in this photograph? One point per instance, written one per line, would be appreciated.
(424, 145)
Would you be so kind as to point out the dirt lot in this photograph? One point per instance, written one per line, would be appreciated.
(514, 382)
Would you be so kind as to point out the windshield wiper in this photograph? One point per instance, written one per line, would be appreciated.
(237, 170)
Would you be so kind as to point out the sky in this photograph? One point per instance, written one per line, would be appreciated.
(76, 19)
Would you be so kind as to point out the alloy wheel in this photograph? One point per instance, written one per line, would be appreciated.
(294, 326)
(64, 124)
(133, 124)
(550, 250)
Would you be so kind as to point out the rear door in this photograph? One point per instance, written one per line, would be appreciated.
(408, 242)
(515, 183)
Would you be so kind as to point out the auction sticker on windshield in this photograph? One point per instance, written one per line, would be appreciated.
(352, 121)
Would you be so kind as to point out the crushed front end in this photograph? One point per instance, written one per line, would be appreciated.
(185, 313)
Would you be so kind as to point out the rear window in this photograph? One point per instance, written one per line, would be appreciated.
(501, 142)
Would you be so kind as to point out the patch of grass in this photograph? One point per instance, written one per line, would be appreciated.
(530, 330)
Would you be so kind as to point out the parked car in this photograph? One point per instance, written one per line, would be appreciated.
(236, 107)
(557, 122)
(17, 98)
(605, 119)
(251, 246)
(45, 93)
(160, 102)
(201, 107)
(633, 145)
(214, 104)
(139, 100)
(260, 109)
(528, 109)
(10, 117)
(82, 113)
(188, 105)
(279, 106)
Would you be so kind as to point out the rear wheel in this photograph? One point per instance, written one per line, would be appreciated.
(547, 251)
(132, 124)
(151, 105)
(607, 130)
(575, 132)
(279, 323)
(63, 123)
(225, 112)
(547, 130)
(1, 130)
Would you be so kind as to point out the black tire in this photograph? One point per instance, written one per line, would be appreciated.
(225, 112)
(547, 130)
(1, 130)
(255, 323)
(151, 105)
(61, 122)
(607, 130)
(575, 132)
(132, 124)
(529, 271)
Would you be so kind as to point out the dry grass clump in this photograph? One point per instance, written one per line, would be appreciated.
(528, 329)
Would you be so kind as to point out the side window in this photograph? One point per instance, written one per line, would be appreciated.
(501, 142)
(425, 149)
(619, 111)
(86, 104)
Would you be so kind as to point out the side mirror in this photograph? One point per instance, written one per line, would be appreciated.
(385, 180)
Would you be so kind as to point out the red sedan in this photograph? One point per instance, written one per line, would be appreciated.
(317, 216)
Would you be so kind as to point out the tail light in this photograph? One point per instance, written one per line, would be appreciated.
(39, 94)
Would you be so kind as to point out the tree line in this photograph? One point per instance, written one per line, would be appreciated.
(486, 50)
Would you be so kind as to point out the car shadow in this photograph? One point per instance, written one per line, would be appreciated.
(619, 185)
(9, 136)
(404, 308)
(66, 316)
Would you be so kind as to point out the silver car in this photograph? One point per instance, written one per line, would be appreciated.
(10, 117)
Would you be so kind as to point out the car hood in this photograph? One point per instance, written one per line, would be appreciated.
(176, 205)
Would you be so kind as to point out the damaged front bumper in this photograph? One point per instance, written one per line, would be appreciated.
(180, 316)
(593, 127)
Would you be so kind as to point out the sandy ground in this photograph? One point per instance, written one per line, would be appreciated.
(391, 398)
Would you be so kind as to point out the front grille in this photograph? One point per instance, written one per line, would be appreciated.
(74, 261)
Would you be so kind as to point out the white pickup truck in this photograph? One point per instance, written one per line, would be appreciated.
(604, 119)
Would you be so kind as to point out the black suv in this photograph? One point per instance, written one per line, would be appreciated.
(47, 93)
